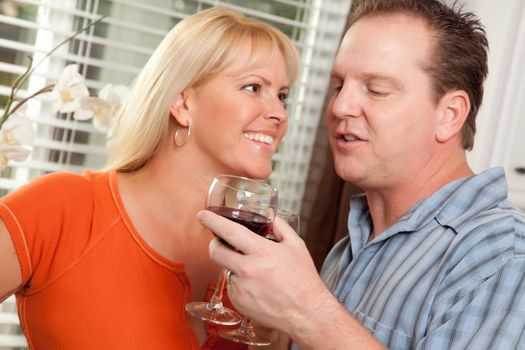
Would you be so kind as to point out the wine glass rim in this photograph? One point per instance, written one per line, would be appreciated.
(258, 181)
(286, 212)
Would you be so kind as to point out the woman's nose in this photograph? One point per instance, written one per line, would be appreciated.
(276, 111)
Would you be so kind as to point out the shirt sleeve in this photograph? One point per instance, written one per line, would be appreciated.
(49, 221)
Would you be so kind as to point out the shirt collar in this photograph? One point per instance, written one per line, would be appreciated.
(451, 205)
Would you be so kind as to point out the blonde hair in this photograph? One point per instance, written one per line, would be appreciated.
(197, 48)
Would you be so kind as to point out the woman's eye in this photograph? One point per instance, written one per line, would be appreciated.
(283, 97)
(252, 87)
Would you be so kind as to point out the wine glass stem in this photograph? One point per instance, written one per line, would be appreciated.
(216, 298)
(246, 327)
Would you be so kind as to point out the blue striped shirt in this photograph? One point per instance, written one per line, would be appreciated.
(450, 274)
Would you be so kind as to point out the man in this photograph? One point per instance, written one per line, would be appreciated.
(435, 258)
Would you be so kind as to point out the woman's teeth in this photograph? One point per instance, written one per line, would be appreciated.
(260, 138)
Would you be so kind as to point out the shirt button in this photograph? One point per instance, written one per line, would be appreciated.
(342, 299)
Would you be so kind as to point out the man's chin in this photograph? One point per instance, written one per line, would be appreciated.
(350, 174)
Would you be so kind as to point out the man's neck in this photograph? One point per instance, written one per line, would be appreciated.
(388, 205)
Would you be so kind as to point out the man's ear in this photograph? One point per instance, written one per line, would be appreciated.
(179, 108)
(454, 108)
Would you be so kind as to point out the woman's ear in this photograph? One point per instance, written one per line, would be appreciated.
(454, 109)
(179, 108)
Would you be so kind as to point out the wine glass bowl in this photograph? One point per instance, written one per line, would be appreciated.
(249, 202)
(291, 218)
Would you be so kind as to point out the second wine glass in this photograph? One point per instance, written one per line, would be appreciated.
(246, 334)
(251, 203)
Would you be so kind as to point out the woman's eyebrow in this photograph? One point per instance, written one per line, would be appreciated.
(268, 82)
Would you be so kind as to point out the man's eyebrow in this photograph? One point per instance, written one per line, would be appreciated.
(371, 77)
(395, 82)
(336, 77)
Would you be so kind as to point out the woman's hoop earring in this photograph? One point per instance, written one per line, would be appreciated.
(177, 138)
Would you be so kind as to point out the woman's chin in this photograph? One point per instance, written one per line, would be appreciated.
(257, 169)
(262, 172)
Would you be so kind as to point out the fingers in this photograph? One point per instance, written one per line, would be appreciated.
(228, 277)
(252, 252)
(283, 232)
(279, 230)
(235, 234)
(225, 256)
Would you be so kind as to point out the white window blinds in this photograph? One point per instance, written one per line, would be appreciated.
(115, 50)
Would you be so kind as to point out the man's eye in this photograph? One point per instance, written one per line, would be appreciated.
(335, 89)
(252, 87)
(377, 93)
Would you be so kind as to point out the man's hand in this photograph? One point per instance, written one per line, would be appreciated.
(276, 284)
(270, 281)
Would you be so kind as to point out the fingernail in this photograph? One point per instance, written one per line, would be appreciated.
(211, 246)
(200, 216)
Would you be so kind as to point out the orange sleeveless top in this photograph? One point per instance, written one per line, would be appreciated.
(89, 281)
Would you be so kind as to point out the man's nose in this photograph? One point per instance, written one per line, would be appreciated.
(347, 102)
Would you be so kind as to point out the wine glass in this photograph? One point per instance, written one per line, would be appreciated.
(251, 203)
(246, 334)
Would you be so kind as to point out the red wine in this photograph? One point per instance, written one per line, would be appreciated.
(257, 223)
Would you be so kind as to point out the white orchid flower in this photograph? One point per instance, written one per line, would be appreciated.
(104, 108)
(115, 96)
(92, 107)
(16, 135)
(69, 90)
(9, 8)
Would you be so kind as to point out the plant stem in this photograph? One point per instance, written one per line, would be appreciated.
(19, 104)
(26, 75)
(20, 80)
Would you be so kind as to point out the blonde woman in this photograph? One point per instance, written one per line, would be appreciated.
(107, 260)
